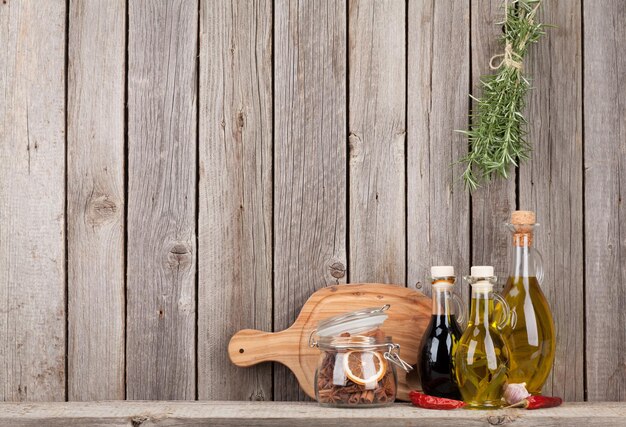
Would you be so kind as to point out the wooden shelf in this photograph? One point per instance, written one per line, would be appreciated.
(153, 413)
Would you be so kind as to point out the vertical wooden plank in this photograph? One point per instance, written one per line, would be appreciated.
(161, 258)
(493, 202)
(377, 133)
(551, 184)
(95, 199)
(605, 184)
(309, 159)
(32, 200)
(235, 212)
(438, 82)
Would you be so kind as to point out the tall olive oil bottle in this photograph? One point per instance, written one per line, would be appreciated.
(530, 334)
(481, 360)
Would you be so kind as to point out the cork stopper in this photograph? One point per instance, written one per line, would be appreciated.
(523, 218)
(523, 223)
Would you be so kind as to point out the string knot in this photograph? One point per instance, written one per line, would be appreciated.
(507, 59)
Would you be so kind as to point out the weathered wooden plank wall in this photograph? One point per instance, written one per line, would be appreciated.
(309, 159)
(96, 202)
(552, 185)
(32, 200)
(223, 160)
(162, 180)
(235, 207)
(492, 203)
(438, 80)
(377, 129)
(604, 92)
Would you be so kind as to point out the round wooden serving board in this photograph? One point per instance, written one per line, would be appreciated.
(409, 315)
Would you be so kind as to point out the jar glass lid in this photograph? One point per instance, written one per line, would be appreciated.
(354, 322)
(354, 341)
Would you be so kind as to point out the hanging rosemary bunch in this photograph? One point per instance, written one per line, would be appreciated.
(497, 135)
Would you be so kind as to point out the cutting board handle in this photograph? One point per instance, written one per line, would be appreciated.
(249, 347)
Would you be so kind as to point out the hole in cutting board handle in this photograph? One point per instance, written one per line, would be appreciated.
(241, 350)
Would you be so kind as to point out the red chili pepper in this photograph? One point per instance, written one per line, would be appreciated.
(431, 402)
(538, 402)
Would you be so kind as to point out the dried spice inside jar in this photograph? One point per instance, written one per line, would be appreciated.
(350, 373)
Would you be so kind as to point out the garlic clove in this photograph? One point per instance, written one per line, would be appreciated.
(515, 393)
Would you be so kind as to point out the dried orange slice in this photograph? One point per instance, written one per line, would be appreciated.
(364, 367)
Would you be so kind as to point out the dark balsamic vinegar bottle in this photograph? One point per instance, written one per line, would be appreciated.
(441, 337)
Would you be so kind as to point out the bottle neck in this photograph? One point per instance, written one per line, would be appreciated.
(523, 265)
(482, 304)
(522, 238)
(442, 298)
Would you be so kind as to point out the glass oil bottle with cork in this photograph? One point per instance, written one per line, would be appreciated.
(441, 336)
(530, 335)
(481, 360)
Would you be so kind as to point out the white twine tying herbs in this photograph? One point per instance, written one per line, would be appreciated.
(507, 59)
(497, 135)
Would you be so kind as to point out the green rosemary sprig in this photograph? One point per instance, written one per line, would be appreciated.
(497, 135)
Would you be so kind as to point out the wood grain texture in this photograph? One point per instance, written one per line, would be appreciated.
(32, 200)
(235, 211)
(492, 203)
(377, 134)
(309, 159)
(409, 316)
(438, 230)
(551, 185)
(146, 414)
(95, 199)
(605, 186)
(161, 257)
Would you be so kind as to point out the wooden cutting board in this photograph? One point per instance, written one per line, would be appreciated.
(409, 315)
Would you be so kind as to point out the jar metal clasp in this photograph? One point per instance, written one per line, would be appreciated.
(393, 356)
(312, 342)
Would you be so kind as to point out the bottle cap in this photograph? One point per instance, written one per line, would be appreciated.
(442, 271)
(482, 271)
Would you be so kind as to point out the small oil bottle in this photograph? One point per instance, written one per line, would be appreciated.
(530, 336)
(441, 337)
(481, 361)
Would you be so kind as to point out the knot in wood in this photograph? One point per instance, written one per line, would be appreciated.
(498, 420)
(257, 396)
(179, 256)
(355, 147)
(100, 209)
(337, 270)
(241, 119)
(139, 420)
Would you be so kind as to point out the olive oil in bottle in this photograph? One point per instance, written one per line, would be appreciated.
(530, 336)
(441, 337)
(481, 360)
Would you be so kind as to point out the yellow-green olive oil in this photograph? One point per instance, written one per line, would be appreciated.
(530, 336)
(481, 360)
